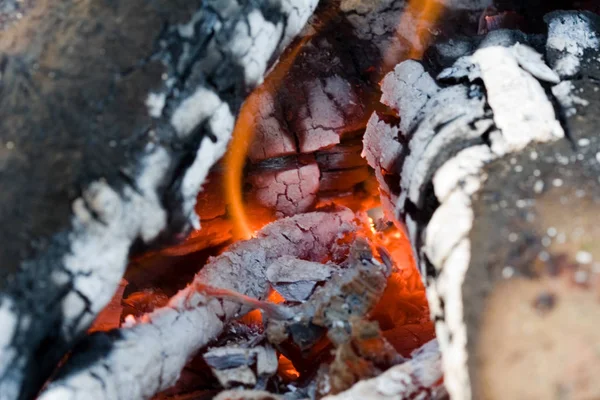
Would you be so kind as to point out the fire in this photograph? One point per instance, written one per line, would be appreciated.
(426, 13)
(242, 136)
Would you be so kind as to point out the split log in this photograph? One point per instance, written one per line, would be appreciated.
(499, 190)
(137, 362)
(111, 115)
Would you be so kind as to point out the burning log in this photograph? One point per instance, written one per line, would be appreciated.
(138, 361)
(498, 186)
(111, 116)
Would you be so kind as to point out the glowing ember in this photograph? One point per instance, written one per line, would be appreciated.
(286, 369)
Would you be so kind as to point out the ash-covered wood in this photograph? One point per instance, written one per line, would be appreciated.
(111, 116)
(138, 361)
(295, 279)
(499, 189)
(420, 377)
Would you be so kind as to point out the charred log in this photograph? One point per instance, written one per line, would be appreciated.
(111, 116)
(499, 190)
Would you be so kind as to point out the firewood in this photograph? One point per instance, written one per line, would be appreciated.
(111, 116)
(498, 188)
(147, 357)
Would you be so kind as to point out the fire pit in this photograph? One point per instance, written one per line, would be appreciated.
(291, 200)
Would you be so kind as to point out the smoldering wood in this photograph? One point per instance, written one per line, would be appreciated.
(149, 355)
(319, 104)
(419, 377)
(492, 189)
(111, 116)
(366, 354)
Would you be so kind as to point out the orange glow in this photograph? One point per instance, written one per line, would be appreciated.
(243, 134)
(426, 13)
(286, 369)
(275, 297)
(402, 311)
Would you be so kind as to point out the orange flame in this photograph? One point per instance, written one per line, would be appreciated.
(426, 13)
(243, 134)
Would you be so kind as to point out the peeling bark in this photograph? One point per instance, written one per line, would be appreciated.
(111, 116)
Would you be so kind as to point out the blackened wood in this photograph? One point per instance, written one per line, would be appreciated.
(111, 114)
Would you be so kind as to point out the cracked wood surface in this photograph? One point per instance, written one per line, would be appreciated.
(499, 191)
(111, 115)
(138, 361)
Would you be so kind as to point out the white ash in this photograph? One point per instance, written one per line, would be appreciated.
(457, 171)
(532, 118)
(406, 90)
(381, 147)
(453, 110)
(564, 93)
(156, 103)
(463, 127)
(442, 237)
(533, 62)
(288, 191)
(296, 279)
(570, 34)
(288, 269)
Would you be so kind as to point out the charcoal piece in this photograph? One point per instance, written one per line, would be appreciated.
(111, 115)
(406, 90)
(343, 180)
(295, 279)
(287, 191)
(365, 355)
(420, 376)
(247, 366)
(351, 292)
(295, 291)
(237, 376)
(287, 269)
(229, 357)
(342, 156)
(161, 342)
